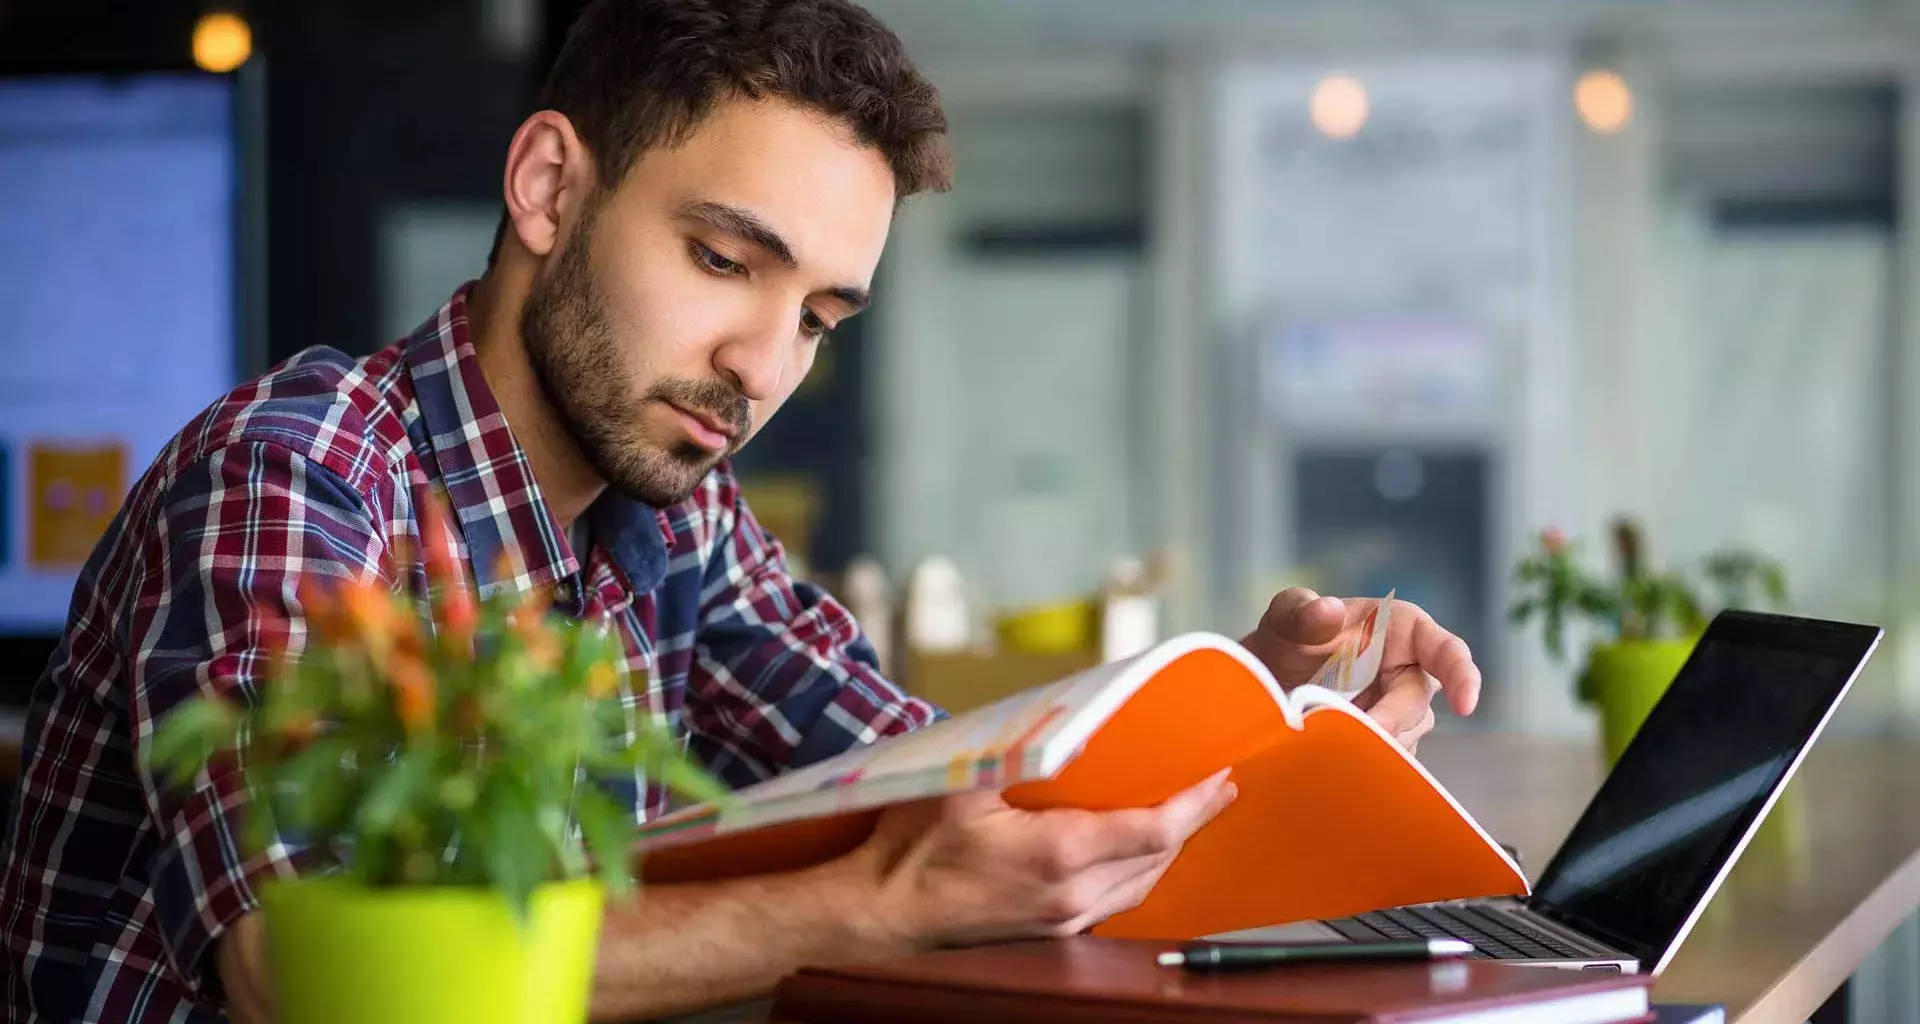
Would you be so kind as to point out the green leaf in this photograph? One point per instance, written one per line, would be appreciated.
(315, 783)
(515, 854)
(679, 773)
(406, 783)
(325, 809)
(190, 735)
(1775, 582)
(374, 861)
(609, 835)
(256, 824)
(1686, 610)
(1556, 646)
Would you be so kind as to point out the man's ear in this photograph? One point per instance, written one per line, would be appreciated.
(548, 177)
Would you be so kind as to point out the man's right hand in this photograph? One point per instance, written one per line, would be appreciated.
(971, 868)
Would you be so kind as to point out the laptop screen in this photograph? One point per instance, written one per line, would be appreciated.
(1658, 836)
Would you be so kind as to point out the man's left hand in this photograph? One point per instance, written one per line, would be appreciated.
(1301, 629)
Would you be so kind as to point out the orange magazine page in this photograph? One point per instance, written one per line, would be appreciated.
(1333, 816)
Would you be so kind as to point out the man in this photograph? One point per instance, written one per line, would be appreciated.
(703, 197)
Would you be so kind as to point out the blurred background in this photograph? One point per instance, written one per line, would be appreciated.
(1355, 294)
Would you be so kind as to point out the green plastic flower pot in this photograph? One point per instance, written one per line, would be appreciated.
(340, 951)
(1625, 680)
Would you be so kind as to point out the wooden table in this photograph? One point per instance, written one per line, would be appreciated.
(1832, 873)
(1834, 870)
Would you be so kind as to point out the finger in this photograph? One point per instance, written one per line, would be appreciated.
(1152, 831)
(1112, 836)
(1368, 697)
(1300, 616)
(1443, 656)
(1109, 888)
(1297, 633)
(1121, 897)
(1403, 701)
(1411, 738)
(1186, 812)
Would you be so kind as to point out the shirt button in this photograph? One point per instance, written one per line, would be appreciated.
(563, 591)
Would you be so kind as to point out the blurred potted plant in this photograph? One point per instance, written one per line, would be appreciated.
(435, 766)
(1648, 620)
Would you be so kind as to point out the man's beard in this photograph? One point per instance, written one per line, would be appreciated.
(570, 345)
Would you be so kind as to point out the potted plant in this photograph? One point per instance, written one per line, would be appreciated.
(433, 754)
(1647, 620)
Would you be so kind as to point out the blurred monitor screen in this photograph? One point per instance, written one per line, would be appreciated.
(118, 312)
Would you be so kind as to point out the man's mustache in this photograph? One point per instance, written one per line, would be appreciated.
(715, 398)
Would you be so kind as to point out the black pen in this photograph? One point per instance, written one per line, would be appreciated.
(1227, 956)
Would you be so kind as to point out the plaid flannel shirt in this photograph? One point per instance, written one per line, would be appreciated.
(113, 888)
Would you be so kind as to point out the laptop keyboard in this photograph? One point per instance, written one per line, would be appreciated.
(1494, 937)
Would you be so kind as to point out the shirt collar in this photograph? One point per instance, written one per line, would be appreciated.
(496, 501)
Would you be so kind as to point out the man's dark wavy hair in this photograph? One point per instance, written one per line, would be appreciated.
(637, 74)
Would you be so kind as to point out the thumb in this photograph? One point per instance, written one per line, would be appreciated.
(1301, 617)
(1193, 807)
(1295, 635)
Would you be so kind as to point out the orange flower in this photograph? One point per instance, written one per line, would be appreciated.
(301, 729)
(406, 628)
(274, 631)
(529, 617)
(459, 616)
(454, 608)
(507, 566)
(322, 612)
(412, 693)
(601, 680)
(436, 538)
(1553, 540)
(528, 621)
(369, 610)
(400, 559)
(543, 649)
(441, 554)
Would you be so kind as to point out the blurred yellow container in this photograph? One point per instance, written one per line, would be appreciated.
(430, 954)
(1062, 627)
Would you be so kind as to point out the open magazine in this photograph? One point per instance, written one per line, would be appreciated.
(1333, 816)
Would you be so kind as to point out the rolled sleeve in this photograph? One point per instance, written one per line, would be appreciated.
(784, 675)
(238, 533)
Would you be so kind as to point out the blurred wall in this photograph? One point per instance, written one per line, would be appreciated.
(1698, 319)
(377, 112)
(1035, 261)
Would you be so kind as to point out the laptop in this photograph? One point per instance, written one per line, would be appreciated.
(1671, 818)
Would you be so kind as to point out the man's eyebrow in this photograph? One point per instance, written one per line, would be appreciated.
(856, 298)
(743, 224)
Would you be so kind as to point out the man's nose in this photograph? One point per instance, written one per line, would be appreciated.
(755, 358)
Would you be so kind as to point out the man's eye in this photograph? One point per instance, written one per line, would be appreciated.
(812, 325)
(713, 262)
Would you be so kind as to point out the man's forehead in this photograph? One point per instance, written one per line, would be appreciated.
(829, 198)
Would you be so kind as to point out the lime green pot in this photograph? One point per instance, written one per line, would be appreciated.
(340, 951)
(1624, 680)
